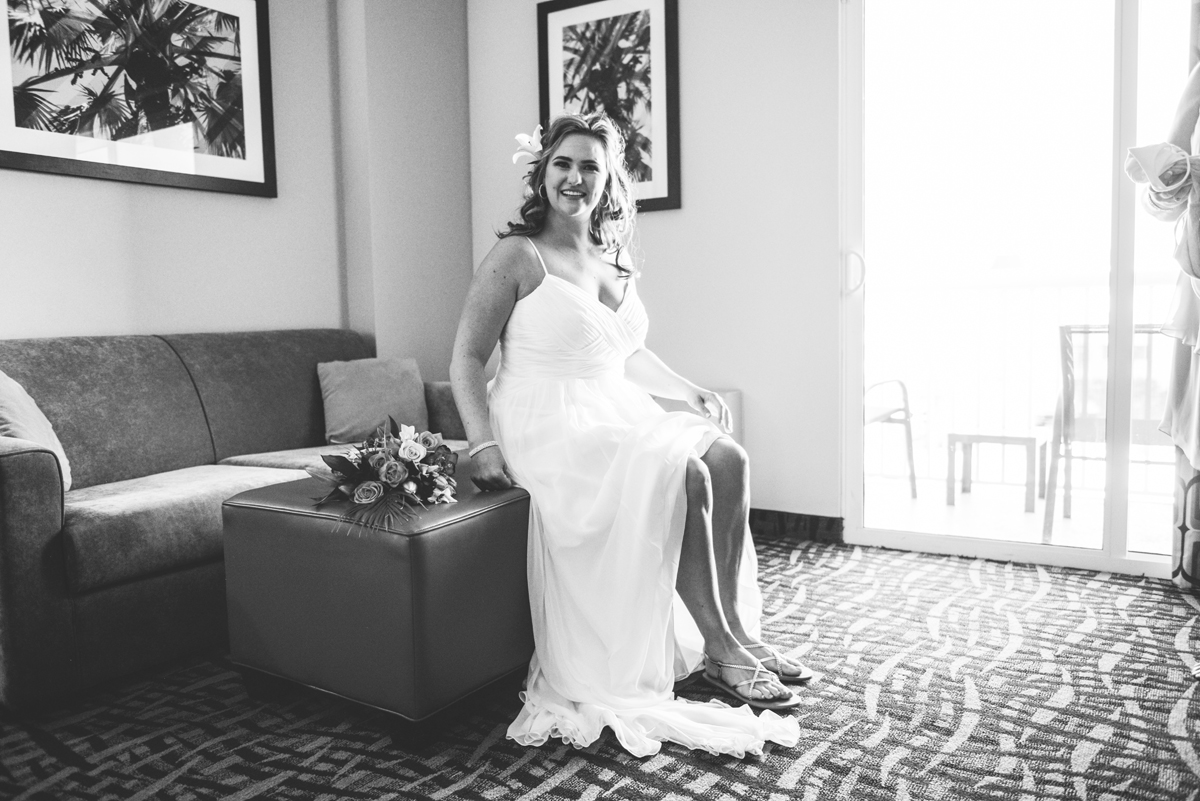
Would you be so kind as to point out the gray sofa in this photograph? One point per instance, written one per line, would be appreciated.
(125, 570)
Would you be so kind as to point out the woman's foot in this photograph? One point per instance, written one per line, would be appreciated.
(747, 680)
(789, 671)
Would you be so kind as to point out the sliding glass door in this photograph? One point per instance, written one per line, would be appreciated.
(1004, 370)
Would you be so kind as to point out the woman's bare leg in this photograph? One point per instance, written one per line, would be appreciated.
(729, 471)
(697, 584)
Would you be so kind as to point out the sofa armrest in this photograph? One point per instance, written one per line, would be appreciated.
(443, 413)
(37, 642)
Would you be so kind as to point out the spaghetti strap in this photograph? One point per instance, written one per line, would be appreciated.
(538, 253)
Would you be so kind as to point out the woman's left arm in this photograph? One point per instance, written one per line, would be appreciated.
(648, 372)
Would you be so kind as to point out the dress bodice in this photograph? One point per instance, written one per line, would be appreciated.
(560, 331)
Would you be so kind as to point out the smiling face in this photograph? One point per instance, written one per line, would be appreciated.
(576, 176)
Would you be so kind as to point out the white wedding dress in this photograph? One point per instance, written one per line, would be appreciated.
(604, 466)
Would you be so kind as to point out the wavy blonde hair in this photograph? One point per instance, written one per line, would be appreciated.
(613, 218)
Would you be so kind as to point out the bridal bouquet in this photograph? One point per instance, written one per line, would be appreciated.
(390, 473)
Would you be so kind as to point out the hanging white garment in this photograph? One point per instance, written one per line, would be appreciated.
(604, 467)
(1172, 179)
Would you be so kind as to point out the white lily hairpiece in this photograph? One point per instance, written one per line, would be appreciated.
(529, 145)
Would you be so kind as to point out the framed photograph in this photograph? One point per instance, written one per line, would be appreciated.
(620, 57)
(168, 92)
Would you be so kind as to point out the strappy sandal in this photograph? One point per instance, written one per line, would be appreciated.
(761, 674)
(773, 655)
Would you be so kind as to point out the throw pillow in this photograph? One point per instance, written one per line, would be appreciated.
(360, 395)
(21, 417)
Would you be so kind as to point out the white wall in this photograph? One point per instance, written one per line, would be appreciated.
(419, 172)
(741, 283)
(81, 256)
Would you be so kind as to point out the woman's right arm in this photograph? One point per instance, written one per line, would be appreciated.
(1185, 115)
(494, 291)
(1169, 203)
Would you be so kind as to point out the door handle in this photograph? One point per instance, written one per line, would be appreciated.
(862, 272)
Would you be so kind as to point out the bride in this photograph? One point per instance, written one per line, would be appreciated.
(632, 508)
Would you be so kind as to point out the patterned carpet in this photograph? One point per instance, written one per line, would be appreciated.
(942, 678)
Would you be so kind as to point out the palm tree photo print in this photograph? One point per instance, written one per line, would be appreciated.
(606, 67)
(160, 72)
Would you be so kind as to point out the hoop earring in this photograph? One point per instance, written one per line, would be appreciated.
(542, 192)
(605, 200)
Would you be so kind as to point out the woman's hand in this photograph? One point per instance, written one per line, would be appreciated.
(712, 406)
(646, 371)
(491, 471)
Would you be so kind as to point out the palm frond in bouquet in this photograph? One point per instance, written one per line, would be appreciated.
(388, 475)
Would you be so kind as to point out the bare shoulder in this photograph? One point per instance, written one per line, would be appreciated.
(511, 262)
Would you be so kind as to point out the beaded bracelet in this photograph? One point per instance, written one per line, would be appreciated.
(482, 446)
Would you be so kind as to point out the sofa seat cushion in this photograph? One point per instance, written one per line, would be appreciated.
(301, 458)
(296, 459)
(145, 526)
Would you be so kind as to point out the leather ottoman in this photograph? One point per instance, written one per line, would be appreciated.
(407, 620)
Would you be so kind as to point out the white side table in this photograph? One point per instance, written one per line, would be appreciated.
(968, 441)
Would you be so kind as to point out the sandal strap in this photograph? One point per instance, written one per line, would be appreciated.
(754, 679)
(772, 652)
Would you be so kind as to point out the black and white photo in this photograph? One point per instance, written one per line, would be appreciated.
(155, 91)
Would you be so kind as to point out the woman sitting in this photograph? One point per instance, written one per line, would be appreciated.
(631, 507)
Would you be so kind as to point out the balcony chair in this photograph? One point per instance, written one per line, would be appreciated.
(890, 407)
(1079, 415)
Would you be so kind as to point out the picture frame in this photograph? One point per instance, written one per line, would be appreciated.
(635, 81)
(164, 92)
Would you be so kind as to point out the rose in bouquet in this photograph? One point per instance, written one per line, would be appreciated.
(389, 474)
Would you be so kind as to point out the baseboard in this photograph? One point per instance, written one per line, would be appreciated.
(769, 524)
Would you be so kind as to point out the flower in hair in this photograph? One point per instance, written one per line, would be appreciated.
(529, 145)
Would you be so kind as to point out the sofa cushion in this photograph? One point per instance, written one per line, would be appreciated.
(145, 526)
(21, 418)
(296, 459)
(361, 395)
(122, 406)
(301, 458)
(260, 389)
